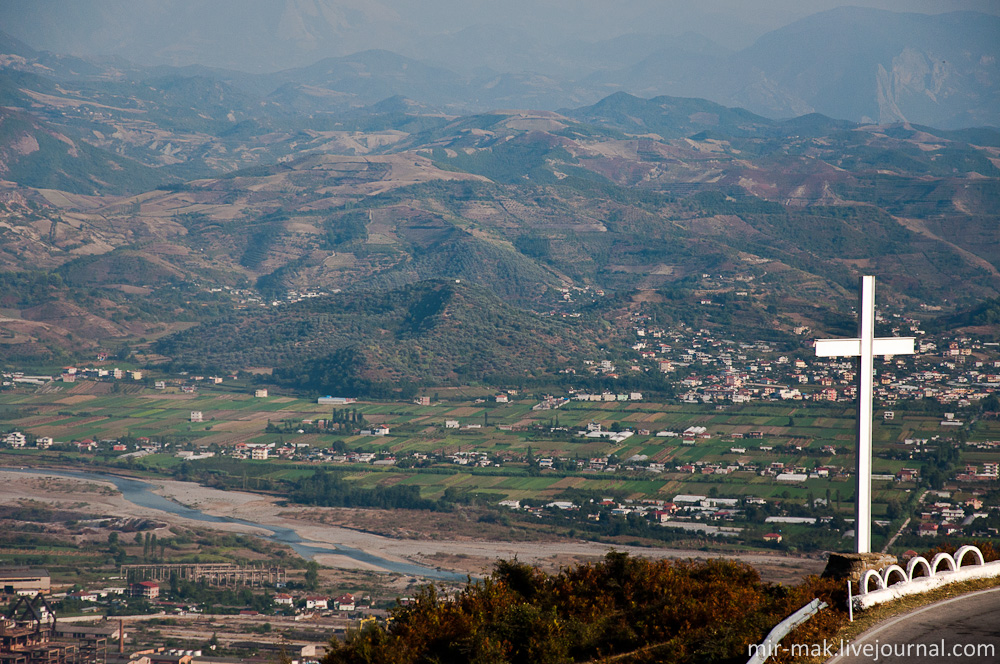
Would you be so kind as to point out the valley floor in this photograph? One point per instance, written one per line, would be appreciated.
(462, 553)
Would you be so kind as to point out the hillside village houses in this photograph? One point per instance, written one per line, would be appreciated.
(712, 369)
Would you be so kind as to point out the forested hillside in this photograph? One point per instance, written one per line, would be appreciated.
(379, 343)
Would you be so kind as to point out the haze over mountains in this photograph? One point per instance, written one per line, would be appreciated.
(137, 200)
(860, 64)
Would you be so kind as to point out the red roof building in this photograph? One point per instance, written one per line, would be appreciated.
(145, 589)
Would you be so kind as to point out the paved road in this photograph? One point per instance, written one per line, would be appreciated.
(963, 630)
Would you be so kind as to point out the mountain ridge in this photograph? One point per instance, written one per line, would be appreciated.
(940, 70)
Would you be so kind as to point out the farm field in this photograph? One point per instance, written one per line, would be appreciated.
(720, 462)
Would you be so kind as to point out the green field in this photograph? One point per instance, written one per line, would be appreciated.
(794, 433)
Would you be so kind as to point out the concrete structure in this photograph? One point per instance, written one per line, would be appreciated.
(865, 347)
(29, 635)
(87, 631)
(854, 566)
(218, 574)
(24, 580)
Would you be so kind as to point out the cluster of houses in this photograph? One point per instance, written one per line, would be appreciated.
(70, 375)
(608, 396)
(151, 591)
(687, 512)
(312, 603)
(302, 452)
(245, 298)
(697, 513)
(712, 369)
(19, 440)
(948, 516)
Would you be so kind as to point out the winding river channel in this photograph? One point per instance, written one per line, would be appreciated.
(140, 493)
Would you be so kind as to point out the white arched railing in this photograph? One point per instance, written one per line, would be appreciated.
(894, 582)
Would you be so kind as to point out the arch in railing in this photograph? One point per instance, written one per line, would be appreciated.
(968, 548)
(869, 575)
(889, 571)
(918, 561)
(941, 558)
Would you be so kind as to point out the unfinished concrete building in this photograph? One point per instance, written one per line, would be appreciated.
(27, 637)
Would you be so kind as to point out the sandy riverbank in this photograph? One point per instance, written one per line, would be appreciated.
(459, 554)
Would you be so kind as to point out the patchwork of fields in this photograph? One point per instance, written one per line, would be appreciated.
(793, 434)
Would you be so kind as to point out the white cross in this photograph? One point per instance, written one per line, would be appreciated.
(866, 346)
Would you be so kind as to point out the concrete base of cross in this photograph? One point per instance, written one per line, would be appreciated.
(854, 565)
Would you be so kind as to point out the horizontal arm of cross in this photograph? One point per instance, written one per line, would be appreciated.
(852, 347)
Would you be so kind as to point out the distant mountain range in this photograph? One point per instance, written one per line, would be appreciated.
(137, 201)
(857, 64)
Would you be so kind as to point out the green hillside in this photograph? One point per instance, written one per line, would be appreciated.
(34, 155)
(369, 343)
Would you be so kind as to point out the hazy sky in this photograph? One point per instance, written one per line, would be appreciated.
(722, 20)
(272, 34)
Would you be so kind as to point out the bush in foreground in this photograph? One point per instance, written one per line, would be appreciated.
(622, 609)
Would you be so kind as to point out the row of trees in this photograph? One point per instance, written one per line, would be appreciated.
(330, 490)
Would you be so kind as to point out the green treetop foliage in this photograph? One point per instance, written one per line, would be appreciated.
(622, 609)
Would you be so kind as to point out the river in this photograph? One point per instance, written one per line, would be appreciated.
(140, 493)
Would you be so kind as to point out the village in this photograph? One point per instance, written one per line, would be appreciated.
(750, 448)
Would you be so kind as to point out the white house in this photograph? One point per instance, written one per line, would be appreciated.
(316, 602)
(15, 439)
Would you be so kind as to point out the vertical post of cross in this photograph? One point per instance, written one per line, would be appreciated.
(863, 499)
